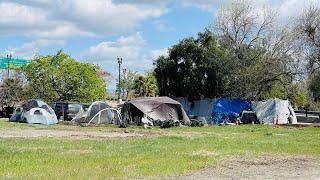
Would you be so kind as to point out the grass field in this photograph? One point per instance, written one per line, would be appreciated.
(168, 152)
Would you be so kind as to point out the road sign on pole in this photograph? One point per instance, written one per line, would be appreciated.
(12, 63)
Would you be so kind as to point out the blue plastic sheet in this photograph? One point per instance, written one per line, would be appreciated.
(227, 110)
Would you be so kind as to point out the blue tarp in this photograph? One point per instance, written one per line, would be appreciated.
(227, 110)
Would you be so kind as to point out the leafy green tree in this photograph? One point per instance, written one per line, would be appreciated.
(62, 78)
(299, 96)
(146, 85)
(193, 69)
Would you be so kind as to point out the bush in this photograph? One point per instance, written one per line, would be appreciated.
(157, 123)
(196, 123)
(169, 123)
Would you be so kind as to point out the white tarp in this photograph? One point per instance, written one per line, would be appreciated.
(272, 110)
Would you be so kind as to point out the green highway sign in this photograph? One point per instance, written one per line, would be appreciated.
(12, 63)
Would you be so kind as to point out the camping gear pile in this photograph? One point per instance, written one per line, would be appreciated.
(34, 112)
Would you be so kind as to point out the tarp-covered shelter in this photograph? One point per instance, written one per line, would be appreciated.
(34, 112)
(199, 109)
(227, 110)
(274, 110)
(98, 113)
(150, 109)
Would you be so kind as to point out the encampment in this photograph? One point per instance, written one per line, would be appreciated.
(149, 109)
(274, 111)
(34, 112)
(98, 113)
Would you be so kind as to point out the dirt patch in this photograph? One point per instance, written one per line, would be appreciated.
(53, 133)
(264, 167)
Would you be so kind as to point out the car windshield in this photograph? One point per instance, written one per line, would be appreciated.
(74, 107)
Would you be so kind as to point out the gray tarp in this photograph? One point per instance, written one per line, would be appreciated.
(269, 111)
(34, 112)
(199, 109)
(154, 108)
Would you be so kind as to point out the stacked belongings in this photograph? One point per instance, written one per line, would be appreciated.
(98, 113)
(34, 112)
(149, 110)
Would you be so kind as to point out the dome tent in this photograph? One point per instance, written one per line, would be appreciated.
(34, 112)
(98, 113)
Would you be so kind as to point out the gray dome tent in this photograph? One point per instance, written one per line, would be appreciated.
(34, 112)
(98, 113)
(153, 108)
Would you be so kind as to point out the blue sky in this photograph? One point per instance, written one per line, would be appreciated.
(98, 31)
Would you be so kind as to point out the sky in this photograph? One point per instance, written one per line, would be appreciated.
(97, 31)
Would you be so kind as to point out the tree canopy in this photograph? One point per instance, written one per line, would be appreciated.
(145, 85)
(192, 68)
(62, 78)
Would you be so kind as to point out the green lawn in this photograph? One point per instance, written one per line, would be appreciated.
(174, 151)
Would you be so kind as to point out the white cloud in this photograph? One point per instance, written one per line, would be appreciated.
(29, 49)
(154, 54)
(206, 5)
(61, 18)
(133, 49)
(291, 8)
(136, 56)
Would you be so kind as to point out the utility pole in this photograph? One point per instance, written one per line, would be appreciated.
(119, 89)
(9, 56)
(124, 83)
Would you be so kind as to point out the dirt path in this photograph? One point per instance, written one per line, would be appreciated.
(264, 167)
(54, 133)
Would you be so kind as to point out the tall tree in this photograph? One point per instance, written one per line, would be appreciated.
(192, 68)
(61, 78)
(260, 54)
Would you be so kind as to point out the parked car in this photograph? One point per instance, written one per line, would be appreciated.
(68, 110)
